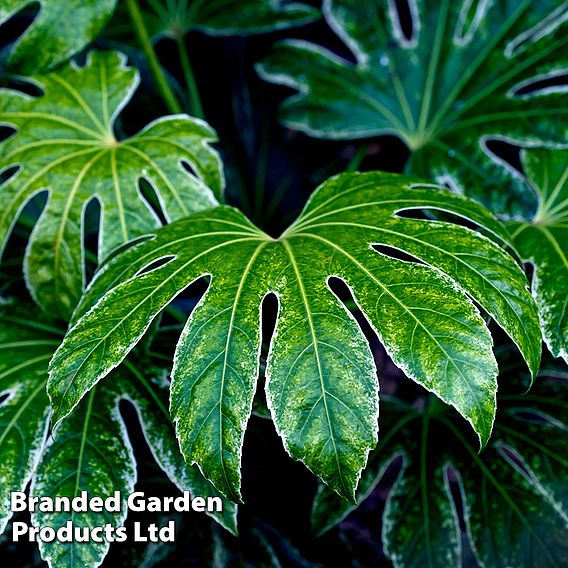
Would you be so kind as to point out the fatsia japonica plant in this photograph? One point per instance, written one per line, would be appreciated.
(91, 452)
(153, 337)
(512, 496)
(322, 391)
(542, 240)
(449, 80)
(65, 143)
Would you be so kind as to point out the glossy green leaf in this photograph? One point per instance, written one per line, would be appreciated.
(91, 451)
(321, 382)
(220, 17)
(60, 29)
(420, 520)
(543, 241)
(65, 144)
(515, 493)
(26, 346)
(149, 393)
(469, 73)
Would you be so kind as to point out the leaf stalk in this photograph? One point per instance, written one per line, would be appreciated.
(196, 107)
(162, 84)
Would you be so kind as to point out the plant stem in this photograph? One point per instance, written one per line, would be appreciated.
(280, 191)
(357, 158)
(196, 108)
(157, 72)
(423, 483)
(261, 170)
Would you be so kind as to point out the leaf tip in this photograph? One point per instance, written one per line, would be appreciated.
(484, 435)
(347, 493)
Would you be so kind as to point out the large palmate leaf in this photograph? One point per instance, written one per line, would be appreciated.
(515, 494)
(543, 241)
(90, 451)
(470, 72)
(321, 380)
(65, 144)
(61, 29)
(178, 17)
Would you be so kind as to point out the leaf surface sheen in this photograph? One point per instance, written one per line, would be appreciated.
(469, 72)
(65, 143)
(515, 494)
(543, 241)
(321, 387)
(91, 451)
(61, 29)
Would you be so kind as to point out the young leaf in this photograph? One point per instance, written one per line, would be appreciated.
(178, 17)
(61, 29)
(515, 494)
(65, 144)
(321, 388)
(470, 72)
(90, 451)
(543, 241)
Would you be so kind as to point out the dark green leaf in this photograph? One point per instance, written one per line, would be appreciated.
(61, 29)
(420, 517)
(543, 241)
(321, 381)
(515, 493)
(447, 90)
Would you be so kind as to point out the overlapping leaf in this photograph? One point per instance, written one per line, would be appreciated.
(178, 17)
(321, 379)
(26, 346)
(61, 29)
(543, 241)
(90, 451)
(469, 72)
(515, 494)
(65, 144)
